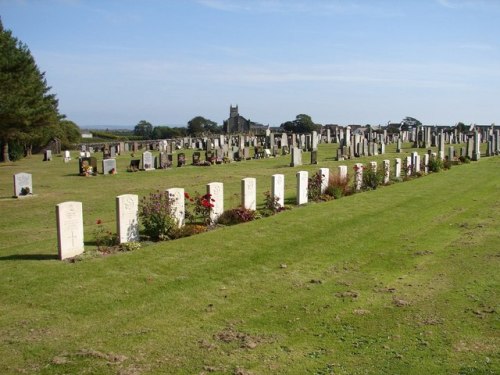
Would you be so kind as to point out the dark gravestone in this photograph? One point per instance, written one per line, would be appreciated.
(135, 164)
(181, 159)
(314, 157)
(196, 158)
(209, 156)
(87, 166)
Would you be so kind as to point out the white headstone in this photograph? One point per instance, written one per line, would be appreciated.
(416, 163)
(325, 179)
(373, 166)
(216, 191)
(178, 204)
(67, 156)
(23, 185)
(397, 168)
(249, 193)
(409, 166)
(426, 163)
(343, 172)
(358, 176)
(127, 224)
(109, 166)
(387, 171)
(302, 181)
(69, 216)
(278, 188)
(296, 157)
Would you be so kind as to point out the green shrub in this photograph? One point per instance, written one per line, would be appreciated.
(156, 214)
(314, 186)
(338, 187)
(372, 179)
(435, 165)
(236, 216)
(16, 151)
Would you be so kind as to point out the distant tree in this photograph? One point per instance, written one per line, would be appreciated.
(462, 127)
(200, 125)
(27, 109)
(144, 129)
(409, 122)
(166, 132)
(302, 124)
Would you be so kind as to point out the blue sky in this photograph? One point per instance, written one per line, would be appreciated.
(344, 62)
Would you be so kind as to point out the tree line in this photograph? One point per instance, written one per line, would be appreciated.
(29, 114)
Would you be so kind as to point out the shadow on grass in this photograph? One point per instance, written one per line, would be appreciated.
(30, 257)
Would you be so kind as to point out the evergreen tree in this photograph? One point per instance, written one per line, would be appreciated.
(27, 109)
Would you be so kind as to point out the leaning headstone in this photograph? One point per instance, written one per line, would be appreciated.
(278, 189)
(302, 180)
(127, 224)
(109, 166)
(216, 192)
(325, 178)
(23, 185)
(147, 161)
(249, 193)
(178, 204)
(69, 217)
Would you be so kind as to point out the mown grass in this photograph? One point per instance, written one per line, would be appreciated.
(401, 280)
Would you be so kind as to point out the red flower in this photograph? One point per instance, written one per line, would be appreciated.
(186, 195)
(98, 222)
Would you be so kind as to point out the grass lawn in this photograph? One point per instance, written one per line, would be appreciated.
(401, 280)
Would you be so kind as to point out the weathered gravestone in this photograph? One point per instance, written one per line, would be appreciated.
(23, 185)
(278, 189)
(69, 217)
(109, 166)
(147, 161)
(249, 193)
(387, 171)
(178, 205)
(127, 224)
(215, 190)
(302, 181)
(358, 176)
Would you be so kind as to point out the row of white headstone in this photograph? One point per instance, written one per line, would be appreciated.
(70, 215)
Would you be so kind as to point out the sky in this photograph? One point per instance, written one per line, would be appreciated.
(117, 62)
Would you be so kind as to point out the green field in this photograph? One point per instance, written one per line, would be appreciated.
(400, 280)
